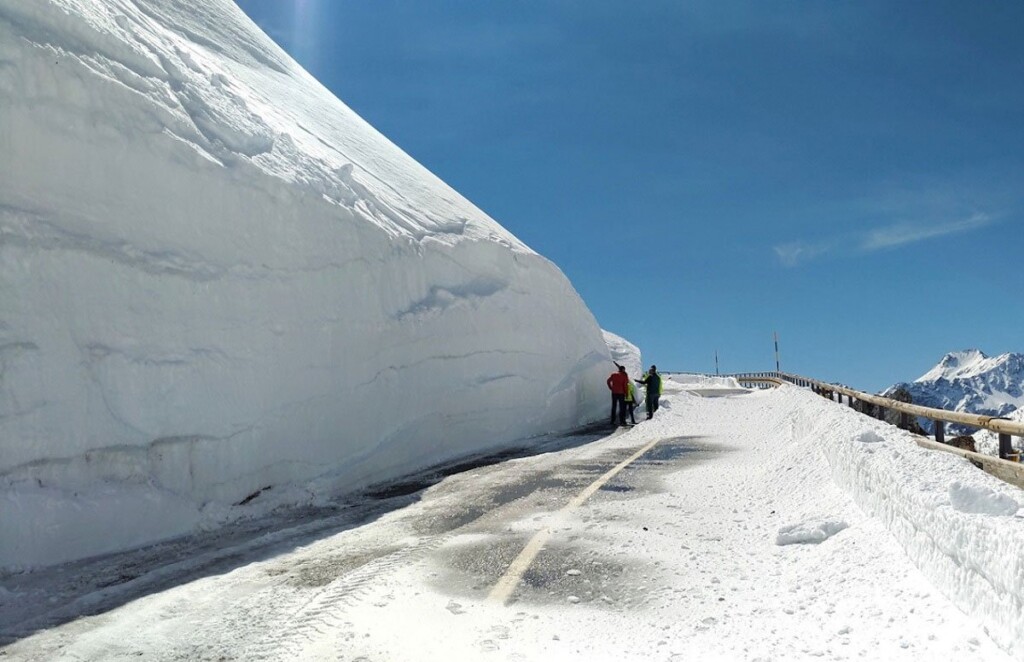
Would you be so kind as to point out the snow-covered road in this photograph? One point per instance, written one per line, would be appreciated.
(682, 555)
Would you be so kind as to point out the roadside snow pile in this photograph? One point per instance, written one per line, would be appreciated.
(218, 279)
(955, 521)
(812, 531)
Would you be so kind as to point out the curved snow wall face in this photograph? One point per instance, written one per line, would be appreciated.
(216, 278)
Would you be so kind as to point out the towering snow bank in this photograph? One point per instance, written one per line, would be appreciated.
(217, 278)
(958, 524)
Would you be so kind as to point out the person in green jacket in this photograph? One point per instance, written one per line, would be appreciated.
(653, 383)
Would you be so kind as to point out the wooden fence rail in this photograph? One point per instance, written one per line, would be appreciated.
(1012, 472)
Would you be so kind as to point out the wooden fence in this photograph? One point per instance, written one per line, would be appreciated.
(1007, 466)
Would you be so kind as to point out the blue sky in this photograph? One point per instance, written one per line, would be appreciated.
(849, 174)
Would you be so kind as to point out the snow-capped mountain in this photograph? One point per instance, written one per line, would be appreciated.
(217, 278)
(970, 381)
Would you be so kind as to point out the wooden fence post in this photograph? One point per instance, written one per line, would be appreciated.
(1005, 447)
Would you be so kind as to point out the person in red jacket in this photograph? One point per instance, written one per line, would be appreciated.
(618, 382)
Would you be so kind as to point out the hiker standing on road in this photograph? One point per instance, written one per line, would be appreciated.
(631, 401)
(618, 383)
(653, 383)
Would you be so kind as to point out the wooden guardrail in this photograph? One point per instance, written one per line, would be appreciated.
(1010, 471)
(1001, 426)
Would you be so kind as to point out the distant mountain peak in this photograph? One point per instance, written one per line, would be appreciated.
(970, 363)
(971, 381)
(963, 356)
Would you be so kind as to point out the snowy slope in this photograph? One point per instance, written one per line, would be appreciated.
(217, 278)
(970, 381)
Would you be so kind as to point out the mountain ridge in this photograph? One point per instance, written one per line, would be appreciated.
(970, 381)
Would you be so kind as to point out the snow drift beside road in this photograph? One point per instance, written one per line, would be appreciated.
(957, 523)
(218, 279)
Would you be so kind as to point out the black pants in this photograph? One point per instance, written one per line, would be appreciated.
(631, 406)
(652, 404)
(620, 400)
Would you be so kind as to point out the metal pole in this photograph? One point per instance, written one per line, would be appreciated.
(716, 362)
(777, 368)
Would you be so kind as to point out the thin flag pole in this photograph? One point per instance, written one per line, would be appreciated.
(777, 368)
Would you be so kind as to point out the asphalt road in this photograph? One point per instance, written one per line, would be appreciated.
(266, 589)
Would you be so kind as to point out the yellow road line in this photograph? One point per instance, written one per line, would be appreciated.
(503, 590)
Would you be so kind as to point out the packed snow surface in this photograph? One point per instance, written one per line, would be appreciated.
(220, 284)
(682, 555)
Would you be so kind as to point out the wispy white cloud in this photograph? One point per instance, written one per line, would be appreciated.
(901, 234)
(896, 235)
(794, 253)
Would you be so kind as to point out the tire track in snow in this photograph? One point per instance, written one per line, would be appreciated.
(322, 614)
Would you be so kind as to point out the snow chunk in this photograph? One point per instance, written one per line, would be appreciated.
(809, 532)
(981, 500)
(869, 437)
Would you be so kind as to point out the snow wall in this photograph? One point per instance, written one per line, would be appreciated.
(625, 353)
(217, 278)
(959, 525)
